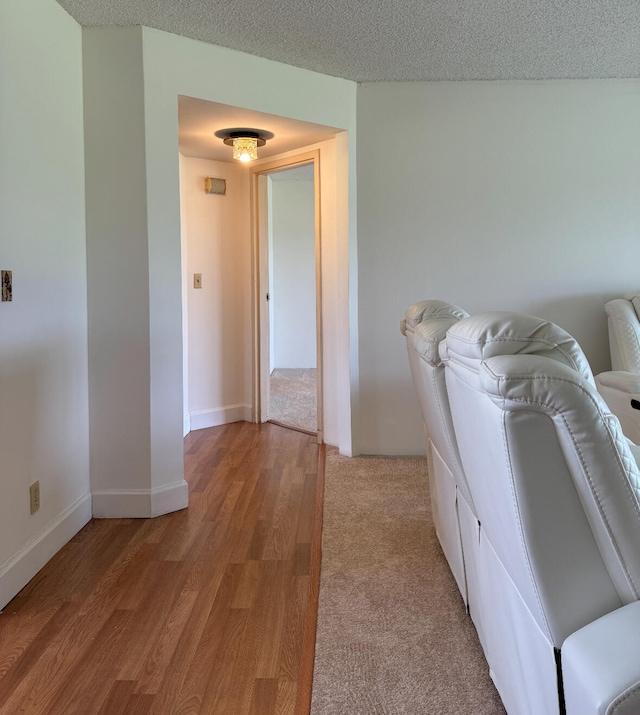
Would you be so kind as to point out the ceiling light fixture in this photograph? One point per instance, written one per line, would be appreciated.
(245, 142)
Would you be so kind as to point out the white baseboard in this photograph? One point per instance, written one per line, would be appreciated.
(220, 416)
(186, 425)
(16, 573)
(140, 503)
(173, 497)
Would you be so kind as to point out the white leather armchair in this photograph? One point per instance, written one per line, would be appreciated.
(425, 326)
(556, 488)
(621, 387)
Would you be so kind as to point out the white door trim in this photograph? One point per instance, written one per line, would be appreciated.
(260, 282)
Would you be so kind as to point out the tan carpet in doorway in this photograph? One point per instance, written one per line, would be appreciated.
(393, 633)
(292, 398)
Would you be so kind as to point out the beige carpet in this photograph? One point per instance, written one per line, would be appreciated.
(292, 398)
(393, 633)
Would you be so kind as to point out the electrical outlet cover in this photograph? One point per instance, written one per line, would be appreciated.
(34, 497)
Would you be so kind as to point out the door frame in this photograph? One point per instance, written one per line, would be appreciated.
(260, 283)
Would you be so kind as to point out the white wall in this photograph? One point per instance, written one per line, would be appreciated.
(518, 196)
(174, 65)
(43, 345)
(131, 473)
(293, 287)
(215, 230)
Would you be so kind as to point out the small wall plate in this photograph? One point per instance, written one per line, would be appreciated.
(6, 278)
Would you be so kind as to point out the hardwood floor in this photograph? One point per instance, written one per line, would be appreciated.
(210, 610)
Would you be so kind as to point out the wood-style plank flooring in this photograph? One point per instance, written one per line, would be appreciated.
(210, 610)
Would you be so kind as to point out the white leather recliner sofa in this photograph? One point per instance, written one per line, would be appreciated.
(621, 387)
(556, 488)
(425, 325)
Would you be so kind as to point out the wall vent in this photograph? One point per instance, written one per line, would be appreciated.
(215, 186)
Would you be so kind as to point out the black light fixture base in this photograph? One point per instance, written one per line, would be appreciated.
(228, 135)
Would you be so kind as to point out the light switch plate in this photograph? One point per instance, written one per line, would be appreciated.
(7, 286)
(197, 280)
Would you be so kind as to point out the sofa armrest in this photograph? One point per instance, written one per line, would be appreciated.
(601, 665)
(628, 382)
(621, 391)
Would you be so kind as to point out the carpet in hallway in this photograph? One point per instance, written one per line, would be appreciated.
(393, 633)
(292, 398)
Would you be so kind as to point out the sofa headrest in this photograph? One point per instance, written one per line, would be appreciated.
(529, 382)
(427, 309)
(487, 335)
(427, 338)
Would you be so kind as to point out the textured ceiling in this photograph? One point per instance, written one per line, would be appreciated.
(399, 40)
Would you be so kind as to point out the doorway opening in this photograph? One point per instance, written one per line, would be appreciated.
(285, 199)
